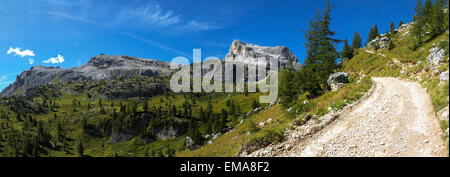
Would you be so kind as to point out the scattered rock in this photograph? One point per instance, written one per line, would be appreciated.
(337, 80)
(444, 77)
(443, 114)
(289, 110)
(261, 124)
(216, 136)
(436, 56)
(343, 61)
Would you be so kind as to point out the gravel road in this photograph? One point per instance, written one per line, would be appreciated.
(397, 119)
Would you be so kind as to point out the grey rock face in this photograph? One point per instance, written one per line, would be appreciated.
(249, 53)
(337, 80)
(380, 43)
(177, 129)
(243, 55)
(190, 144)
(173, 132)
(114, 66)
(436, 56)
(100, 67)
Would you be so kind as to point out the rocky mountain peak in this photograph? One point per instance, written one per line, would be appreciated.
(120, 61)
(249, 53)
(100, 67)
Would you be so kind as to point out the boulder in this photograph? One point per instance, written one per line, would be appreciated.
(337, 80)
(190, 144)
(444, 77)
(436, 56)
(443, 114)
(405, 27)
(261, 124)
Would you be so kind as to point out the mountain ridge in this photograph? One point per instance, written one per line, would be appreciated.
(107, 67)
(98, 68)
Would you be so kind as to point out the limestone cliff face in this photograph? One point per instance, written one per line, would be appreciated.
(100, 67)
(249, 53)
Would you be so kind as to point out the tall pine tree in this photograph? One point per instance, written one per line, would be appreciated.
(438, 22)
(392, 29)
(357, 41)
(373, 34)
(321, 52)
(419, 27)
(347, 52)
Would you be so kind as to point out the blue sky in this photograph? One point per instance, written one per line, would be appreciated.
(68, 33)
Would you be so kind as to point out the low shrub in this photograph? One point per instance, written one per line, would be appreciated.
(266, 138)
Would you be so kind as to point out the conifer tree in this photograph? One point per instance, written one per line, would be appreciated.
(392, 29)
(255, 104)
(419, 27)
(209, 126)
(145, 106)
(321, 53)
(238, 109)
(438, 23)
(401, 23)
(373, 34)
(357, 41)
(80, 149)
(252, 126)
(287, 90)
(347, 51)
(233, 108)
(193, 131)
(84, 124)
(428, 10)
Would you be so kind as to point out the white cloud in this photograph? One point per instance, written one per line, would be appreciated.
(3, 81)
(71, 17)
(195, 25)
(31, 61)
(17, 51)
(59, 2)
(55, 60)
(3, 78)
(152, 14)
(153, 43)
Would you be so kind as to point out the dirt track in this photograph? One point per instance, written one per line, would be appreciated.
(396, 120)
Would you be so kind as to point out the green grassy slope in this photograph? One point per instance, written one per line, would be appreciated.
(70, 109)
